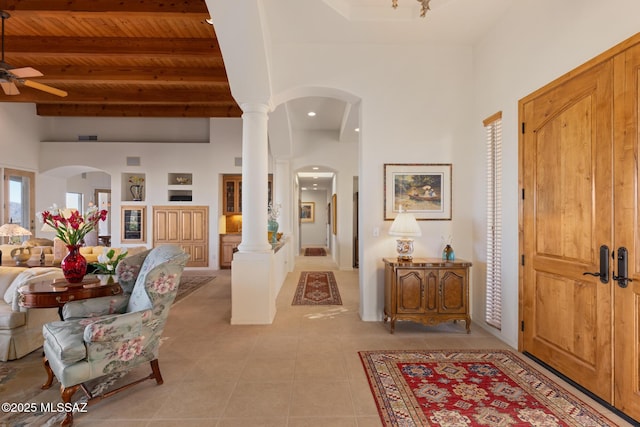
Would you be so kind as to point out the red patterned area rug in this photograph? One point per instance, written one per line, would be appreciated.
(315, 252)
(317, 288)
(469, 388)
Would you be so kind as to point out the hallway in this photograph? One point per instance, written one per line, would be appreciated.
(303, 370)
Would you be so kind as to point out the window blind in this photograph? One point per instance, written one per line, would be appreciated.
(493, 304)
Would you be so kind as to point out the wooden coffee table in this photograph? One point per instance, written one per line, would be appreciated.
(56, 293)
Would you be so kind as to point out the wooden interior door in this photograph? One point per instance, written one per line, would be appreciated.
(566, 216)
(627, 235)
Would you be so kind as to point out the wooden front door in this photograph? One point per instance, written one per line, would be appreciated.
(581, 192)
(626, 233)
(566, 216)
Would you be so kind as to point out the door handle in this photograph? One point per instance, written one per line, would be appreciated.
(603, 274)
(622, 278)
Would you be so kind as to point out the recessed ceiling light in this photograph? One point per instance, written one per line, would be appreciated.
(315, 184)
(315, 168)
(357, 129)
(315, 177)
(311, 114)
(303, 188)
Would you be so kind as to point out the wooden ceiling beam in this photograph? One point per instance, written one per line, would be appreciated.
(182, 6)
(124, 95)
(134, 75)
(114, 110)
(108, 47)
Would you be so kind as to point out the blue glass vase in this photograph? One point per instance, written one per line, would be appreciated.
(272, 227)
(448, 254)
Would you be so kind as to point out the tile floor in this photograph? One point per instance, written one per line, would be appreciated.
(303, 370)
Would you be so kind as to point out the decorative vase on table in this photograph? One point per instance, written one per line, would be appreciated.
(448, 254)
(136, 192)
(272, 227)
(74, 265)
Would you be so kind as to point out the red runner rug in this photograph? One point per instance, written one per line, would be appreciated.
(469, 388)
(315, 252)
(317, 288)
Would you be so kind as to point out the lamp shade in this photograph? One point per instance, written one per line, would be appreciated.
(13, 230)
(405, 225)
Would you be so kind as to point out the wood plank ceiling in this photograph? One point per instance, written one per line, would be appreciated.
(138, 58)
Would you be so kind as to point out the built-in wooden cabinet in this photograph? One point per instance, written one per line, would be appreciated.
(228, 244)
(232, 194)
(426, 290)
(187, 226)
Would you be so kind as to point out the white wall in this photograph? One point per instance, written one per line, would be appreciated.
(19, 140)
(534, 43)
(19, 136)
(415, 109)
(315, 233)
(206, 161)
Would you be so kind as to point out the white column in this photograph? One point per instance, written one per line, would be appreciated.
(253, 294)
(255, 173)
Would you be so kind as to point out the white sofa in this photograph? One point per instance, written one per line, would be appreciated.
(21, 328)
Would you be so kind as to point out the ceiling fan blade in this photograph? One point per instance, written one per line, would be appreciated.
(25, 72)
(45, 88)
(10, 88)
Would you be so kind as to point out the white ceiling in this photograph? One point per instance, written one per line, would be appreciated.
(450, 22)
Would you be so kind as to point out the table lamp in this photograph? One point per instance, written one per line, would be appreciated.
(405, 227)
(13, 231)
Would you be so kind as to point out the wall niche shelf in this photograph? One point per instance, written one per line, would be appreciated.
(180, 178)
(133, 186)
(180, 196)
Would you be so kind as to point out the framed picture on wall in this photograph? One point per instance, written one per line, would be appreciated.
(334, 212)
(307, 212)
(133, 224)
(422, 189)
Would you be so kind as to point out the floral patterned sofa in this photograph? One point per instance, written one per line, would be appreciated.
(102, 336)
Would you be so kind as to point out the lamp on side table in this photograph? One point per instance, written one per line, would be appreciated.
(405, 227)
(14, 232)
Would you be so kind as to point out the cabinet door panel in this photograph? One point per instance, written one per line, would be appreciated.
(410, 291)
(452, 289)
(432, 291)
(199, 225)
(186, 225)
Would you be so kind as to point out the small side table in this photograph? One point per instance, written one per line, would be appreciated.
(56, 293)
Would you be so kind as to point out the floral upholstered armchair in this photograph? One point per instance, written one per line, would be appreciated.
(102, 336)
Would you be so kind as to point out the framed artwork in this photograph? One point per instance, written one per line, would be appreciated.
(334, 212)
(422, 189)
(133, 224)
(307, 211)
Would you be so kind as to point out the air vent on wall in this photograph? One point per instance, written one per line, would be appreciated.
(238, 161)
(133, 161)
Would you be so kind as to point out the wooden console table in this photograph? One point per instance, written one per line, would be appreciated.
(56, 293)
(426, 290)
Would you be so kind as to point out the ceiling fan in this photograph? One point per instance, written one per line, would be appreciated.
(9, 75)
